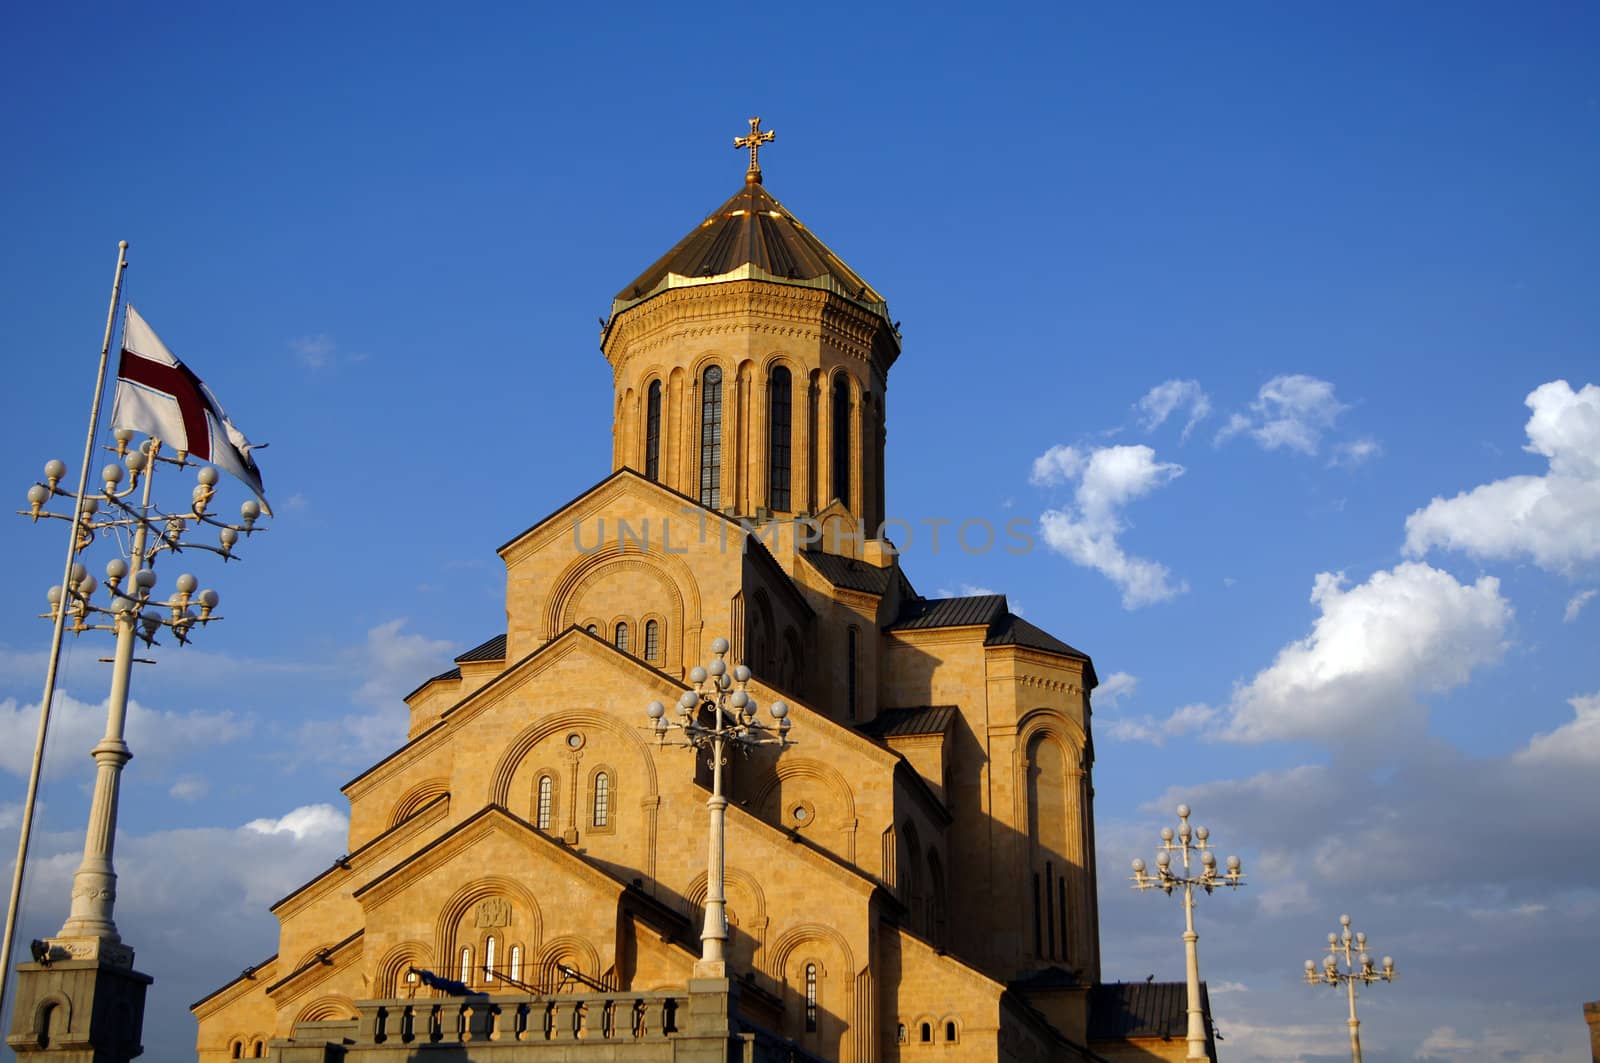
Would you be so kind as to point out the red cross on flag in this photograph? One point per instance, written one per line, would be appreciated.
(161, 397)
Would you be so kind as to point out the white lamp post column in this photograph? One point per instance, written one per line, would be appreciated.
(721, 693)
(1190, 840)
(1358, 967)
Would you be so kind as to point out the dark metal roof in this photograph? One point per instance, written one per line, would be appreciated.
(849, 573)
(1012, 630)
(919, 613)
(752, 229)
(1142, 1009)
(928, 720)
(493, 650)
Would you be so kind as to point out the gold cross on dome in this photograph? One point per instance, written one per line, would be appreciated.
(757, 137)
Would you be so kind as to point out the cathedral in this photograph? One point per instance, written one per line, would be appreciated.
(910, 875)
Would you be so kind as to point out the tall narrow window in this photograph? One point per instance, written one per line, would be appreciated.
(811, 998)
(620, 638)
(602, 800)
(547, 787)
(841, 439)
(652, 432)
(516, 962)
(850, 672)
(652, 640)
(466, 964)
(488, 959)
(711, 438)
(780, 393)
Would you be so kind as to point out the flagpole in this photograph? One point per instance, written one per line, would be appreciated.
(56, 634)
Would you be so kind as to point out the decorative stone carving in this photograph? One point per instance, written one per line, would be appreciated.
(494, 912)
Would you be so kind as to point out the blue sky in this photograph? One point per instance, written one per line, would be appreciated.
(1356, 238)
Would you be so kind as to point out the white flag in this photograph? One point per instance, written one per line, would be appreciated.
(161, 397)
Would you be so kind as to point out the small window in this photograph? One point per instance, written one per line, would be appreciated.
(927, 1033)
(950, 1032)
(652, 640)
(652, 432)
(547, 787)
(900, 1035)
(779, 394)
(259, 1051)
(466, 964)
(711, 438)
(850, 673)
(602, 800)
(488, 959)
(516, 962)
(620, 639)
(237, 1051)
(841, 439)
(593, 629)
(811, 998)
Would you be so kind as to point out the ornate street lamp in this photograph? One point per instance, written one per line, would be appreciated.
(1358, 967)
(718, 693)
(128, 609)
(1190, 840)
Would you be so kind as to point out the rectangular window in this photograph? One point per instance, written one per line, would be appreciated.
(652, 432)
(546, 794)
(602, 800)
(652, 641)
(711, 439)
(778, 414)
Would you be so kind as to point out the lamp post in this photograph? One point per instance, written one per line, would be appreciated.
(1190, 840)
(131, 613)
(1358, 967)
(720, 692)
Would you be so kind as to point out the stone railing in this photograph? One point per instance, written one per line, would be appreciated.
(579, 1017)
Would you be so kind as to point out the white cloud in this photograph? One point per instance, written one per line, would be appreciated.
(1107, 479)
(394, 662)
(1356, 452)
(1289, 413)
(1161, 401)
(156, 737)
(1114, 687)
(314, 352)
(189, 788)
(1552, 519)
(1185, 720)
(1576, 603)
(1576, 743)
(1374, 651)
(191, 902)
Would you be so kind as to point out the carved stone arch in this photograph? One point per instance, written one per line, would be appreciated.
(777, 357)
(678, 580)
(55, 1009)
(792, 767)
(572, 950)
(456, 908)
(413, 799)
(1056, 841)
(331, 1006)
(390, 974)
(752, 920)
(519, 747)
(780, 951)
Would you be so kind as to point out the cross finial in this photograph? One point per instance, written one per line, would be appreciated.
(757, 137)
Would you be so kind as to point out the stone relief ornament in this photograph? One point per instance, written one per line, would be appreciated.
(496, 911)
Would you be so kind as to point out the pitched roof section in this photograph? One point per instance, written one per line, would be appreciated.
(928, 720)
(751, 237)
(1141, 1009)
(1004, 628)
(493, 650)
(849, 573)
(918, 613)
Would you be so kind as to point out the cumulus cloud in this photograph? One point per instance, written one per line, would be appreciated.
(191, 902)
(1553, 519)
(1289, 413)
(1373, 653)
(1183, 721)
(1165, 399)
(157, 737)
(1576, 743)
(1106, 479)
(1114, 687)
(1576, 603)
(394, 661)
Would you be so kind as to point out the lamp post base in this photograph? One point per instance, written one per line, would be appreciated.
(73, 1010)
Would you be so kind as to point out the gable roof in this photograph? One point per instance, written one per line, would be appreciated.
(849, 573)
(1119, 1010)
(1004, 628)
(928, 720)
(492, 650)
